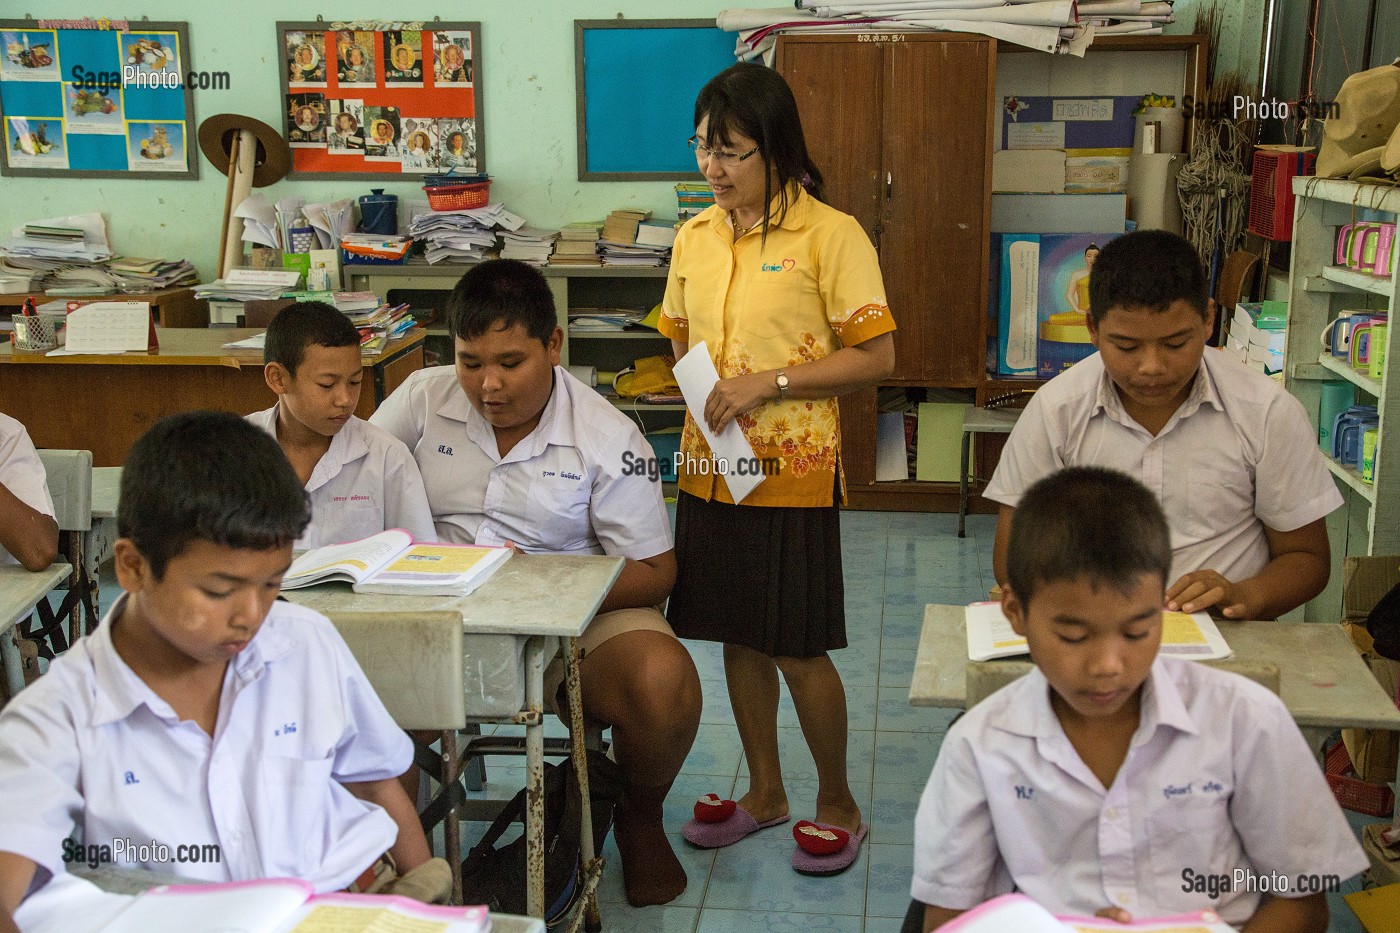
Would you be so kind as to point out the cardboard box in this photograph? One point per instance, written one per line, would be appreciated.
(1385, 862)
(1033, 170)
(1364, 581)
(1058, 213)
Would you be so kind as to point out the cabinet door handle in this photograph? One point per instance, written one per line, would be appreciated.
(889, 186)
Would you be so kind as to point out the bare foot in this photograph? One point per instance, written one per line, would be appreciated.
(763, 809)
(846, 816)
(651, 873)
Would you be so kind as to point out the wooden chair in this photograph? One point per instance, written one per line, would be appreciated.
(69, 474)
(987, 677)
(1235, 283)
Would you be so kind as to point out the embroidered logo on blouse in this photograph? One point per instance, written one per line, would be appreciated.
(787, 265)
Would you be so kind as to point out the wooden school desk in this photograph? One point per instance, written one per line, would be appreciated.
(544, 601)
(20, 592)
(1322, 679)
(104, 403)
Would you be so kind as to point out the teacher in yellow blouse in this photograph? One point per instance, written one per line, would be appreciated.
(786, 294)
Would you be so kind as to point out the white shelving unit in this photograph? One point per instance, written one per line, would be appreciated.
(1369, 522)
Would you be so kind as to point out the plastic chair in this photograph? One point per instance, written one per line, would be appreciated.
(69, 475)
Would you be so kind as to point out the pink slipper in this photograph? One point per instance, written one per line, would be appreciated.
(817, 852)
(733, 823)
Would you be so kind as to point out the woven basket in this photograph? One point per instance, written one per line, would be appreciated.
(458, 197)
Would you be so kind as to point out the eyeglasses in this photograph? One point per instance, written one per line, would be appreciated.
(727, 159)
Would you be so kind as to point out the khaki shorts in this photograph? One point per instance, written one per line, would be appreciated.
(604, 626)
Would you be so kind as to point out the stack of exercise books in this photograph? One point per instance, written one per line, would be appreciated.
(380, 324)
(621, 225)
(528, 244)
(151, 275)
(692, 197)
(577, 244)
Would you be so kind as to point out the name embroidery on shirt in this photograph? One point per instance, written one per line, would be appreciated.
(1212, 787)
(287, 729)
(444, 449)
(561, 474)
(130, 778)
(787, 265)
(1174, 790)
(350, 498)
(1024, 793)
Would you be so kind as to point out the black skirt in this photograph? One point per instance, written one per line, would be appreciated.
(765, 578)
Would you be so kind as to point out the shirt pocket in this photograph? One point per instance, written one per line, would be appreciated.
(558, 513)
(1219, 498)
(299, 787)
(1193, 834)
(349, 521)
(779, 304)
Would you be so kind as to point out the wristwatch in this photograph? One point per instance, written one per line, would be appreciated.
(782, 380)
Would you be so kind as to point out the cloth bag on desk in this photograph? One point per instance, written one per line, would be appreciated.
(495, 875)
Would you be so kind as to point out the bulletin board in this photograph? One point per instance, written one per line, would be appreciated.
(370, 100)
(97, 102)
(636, 83)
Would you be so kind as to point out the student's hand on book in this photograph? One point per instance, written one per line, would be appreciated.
(735, 395)
(1206, 589)
(1116, 914)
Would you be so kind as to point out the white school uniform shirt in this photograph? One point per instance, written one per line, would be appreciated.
(1217, 778)
(91, 745)
(22, 472)
(365, 483)
(576, 484)
(1237, 455)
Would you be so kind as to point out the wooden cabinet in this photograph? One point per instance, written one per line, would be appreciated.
(900, 126)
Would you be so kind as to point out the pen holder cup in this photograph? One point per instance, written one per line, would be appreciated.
(34, 333)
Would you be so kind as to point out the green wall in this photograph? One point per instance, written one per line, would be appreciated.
(528, 74)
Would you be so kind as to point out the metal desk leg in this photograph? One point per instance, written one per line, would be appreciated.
(589, 916)
(532, 717)
(451, 828)
(962, 484)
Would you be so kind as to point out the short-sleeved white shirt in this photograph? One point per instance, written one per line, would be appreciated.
(22, 472)
(1217, 777)
(90, 744)
(1237, 455)
(365, 483)
(572, 486)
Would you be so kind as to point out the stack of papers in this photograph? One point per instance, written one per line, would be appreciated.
(604, 319)
(92, 246)
(355, 301)
(14, 281)
(617, 254)
(1184, 635)
(528, 244)
(249, 285)
(1259, 333)
(151, 275)
(462, 236)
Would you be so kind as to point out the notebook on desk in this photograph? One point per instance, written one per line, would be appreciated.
(1184, 635)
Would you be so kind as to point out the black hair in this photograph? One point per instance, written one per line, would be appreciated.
(501, 293)
(1147, 270)
(1086, 522)
(756, 102)
(304, 324)
(208, 476)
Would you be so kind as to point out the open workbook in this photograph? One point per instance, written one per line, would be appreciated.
(1016, 913)
(1191, 635)
(390, 562)
(284, 905)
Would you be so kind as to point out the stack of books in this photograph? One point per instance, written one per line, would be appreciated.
(353, 302)
(577, 245)
(528, 244)
(151, 275)
(621, 225)
(380, 325)
(657, 233)
(622, 246)
(692, 197)
(1258, 334)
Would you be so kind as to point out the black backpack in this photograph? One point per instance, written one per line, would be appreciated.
(495, 875)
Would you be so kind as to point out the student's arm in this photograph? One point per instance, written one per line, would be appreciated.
(845, 371)
(16, 874)
(1290, 915)
(410, 849)
(1299, 564)
(935, 917)
(642, 583)
(999, 544)
(28, 534)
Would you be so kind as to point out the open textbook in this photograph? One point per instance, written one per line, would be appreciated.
(1184, 635)
(390, 562)
(1016, 913)
(284, 905)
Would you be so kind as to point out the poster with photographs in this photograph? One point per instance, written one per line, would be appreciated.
(354, 58)
(403, 58)
(392, 98)
(306, 119)
(306, 59)
(98, 98)
(452, 61)
(156, 147)
(345, 133)
(420, 144)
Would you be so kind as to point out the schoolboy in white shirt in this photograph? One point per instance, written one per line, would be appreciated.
(514, 450)
(1230, 454)
(28, 532)
(202, 715)
(1112, 780)
(361, 479)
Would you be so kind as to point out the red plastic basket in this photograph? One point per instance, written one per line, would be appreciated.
(1271, 191)
(1352, 792)
(458, 197)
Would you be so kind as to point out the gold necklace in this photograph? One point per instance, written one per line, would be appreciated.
(740, 230)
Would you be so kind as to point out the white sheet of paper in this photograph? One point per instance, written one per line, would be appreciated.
(255, 342)
(696, 375)
(286, 278)
(108, 327)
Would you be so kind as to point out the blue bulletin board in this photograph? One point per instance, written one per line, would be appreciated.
(97, 99)
(636, 87)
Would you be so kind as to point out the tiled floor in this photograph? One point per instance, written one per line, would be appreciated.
(895, 564)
